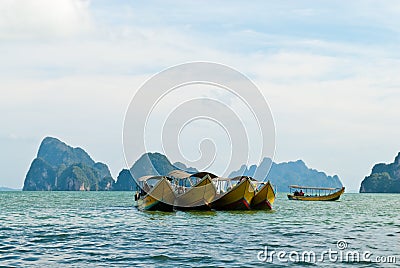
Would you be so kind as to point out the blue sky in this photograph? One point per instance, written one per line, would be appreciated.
(329, 70)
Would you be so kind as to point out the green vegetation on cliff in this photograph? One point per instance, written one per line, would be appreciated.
(384, 178)
(59, 167)
(125, 181)
(41, 176)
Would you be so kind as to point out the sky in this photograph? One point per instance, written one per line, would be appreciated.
(328, 69)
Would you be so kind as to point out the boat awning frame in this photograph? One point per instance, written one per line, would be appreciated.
(145, 178)
(179, 174)
(312, 188)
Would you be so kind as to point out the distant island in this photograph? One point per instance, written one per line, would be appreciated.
(7, 189)
(384, 178)
(147, 164)
(60, 167)
(284, 174)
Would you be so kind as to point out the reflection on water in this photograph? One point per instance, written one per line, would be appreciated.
(102, 228)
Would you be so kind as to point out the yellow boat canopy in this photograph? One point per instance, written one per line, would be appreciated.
(312, 188)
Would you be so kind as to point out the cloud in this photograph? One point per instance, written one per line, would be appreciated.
(25, 19)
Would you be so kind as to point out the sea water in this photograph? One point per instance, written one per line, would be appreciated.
(92, 229)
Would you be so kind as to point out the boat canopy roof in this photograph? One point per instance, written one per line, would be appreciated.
(145, 178)
(202, 174)
(222, 179)
(232, 179)
(179, 174)
(243, 177)
(313, 188)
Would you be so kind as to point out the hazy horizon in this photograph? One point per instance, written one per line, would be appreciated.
(329, 72)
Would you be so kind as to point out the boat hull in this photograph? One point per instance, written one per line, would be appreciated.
(160, 198)
(331, 197)
(149, 204)
(238, 198)
(198, 197)
(264, 198)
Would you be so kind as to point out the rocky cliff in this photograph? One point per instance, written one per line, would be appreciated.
(384, 178)
(59, 167)
(284, 174)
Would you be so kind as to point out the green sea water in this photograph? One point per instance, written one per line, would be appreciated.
(94, 229)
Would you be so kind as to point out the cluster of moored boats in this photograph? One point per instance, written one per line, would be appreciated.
(180, 190)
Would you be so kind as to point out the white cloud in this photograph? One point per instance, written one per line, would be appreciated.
(26, 19)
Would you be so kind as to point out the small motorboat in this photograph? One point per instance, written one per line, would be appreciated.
(306, 193)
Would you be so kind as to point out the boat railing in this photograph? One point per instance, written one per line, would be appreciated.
(311, 191)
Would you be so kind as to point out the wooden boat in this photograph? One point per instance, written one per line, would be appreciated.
(264, 197)
(159, 197)
(314, 193)
(237, 198)
(198, 197)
